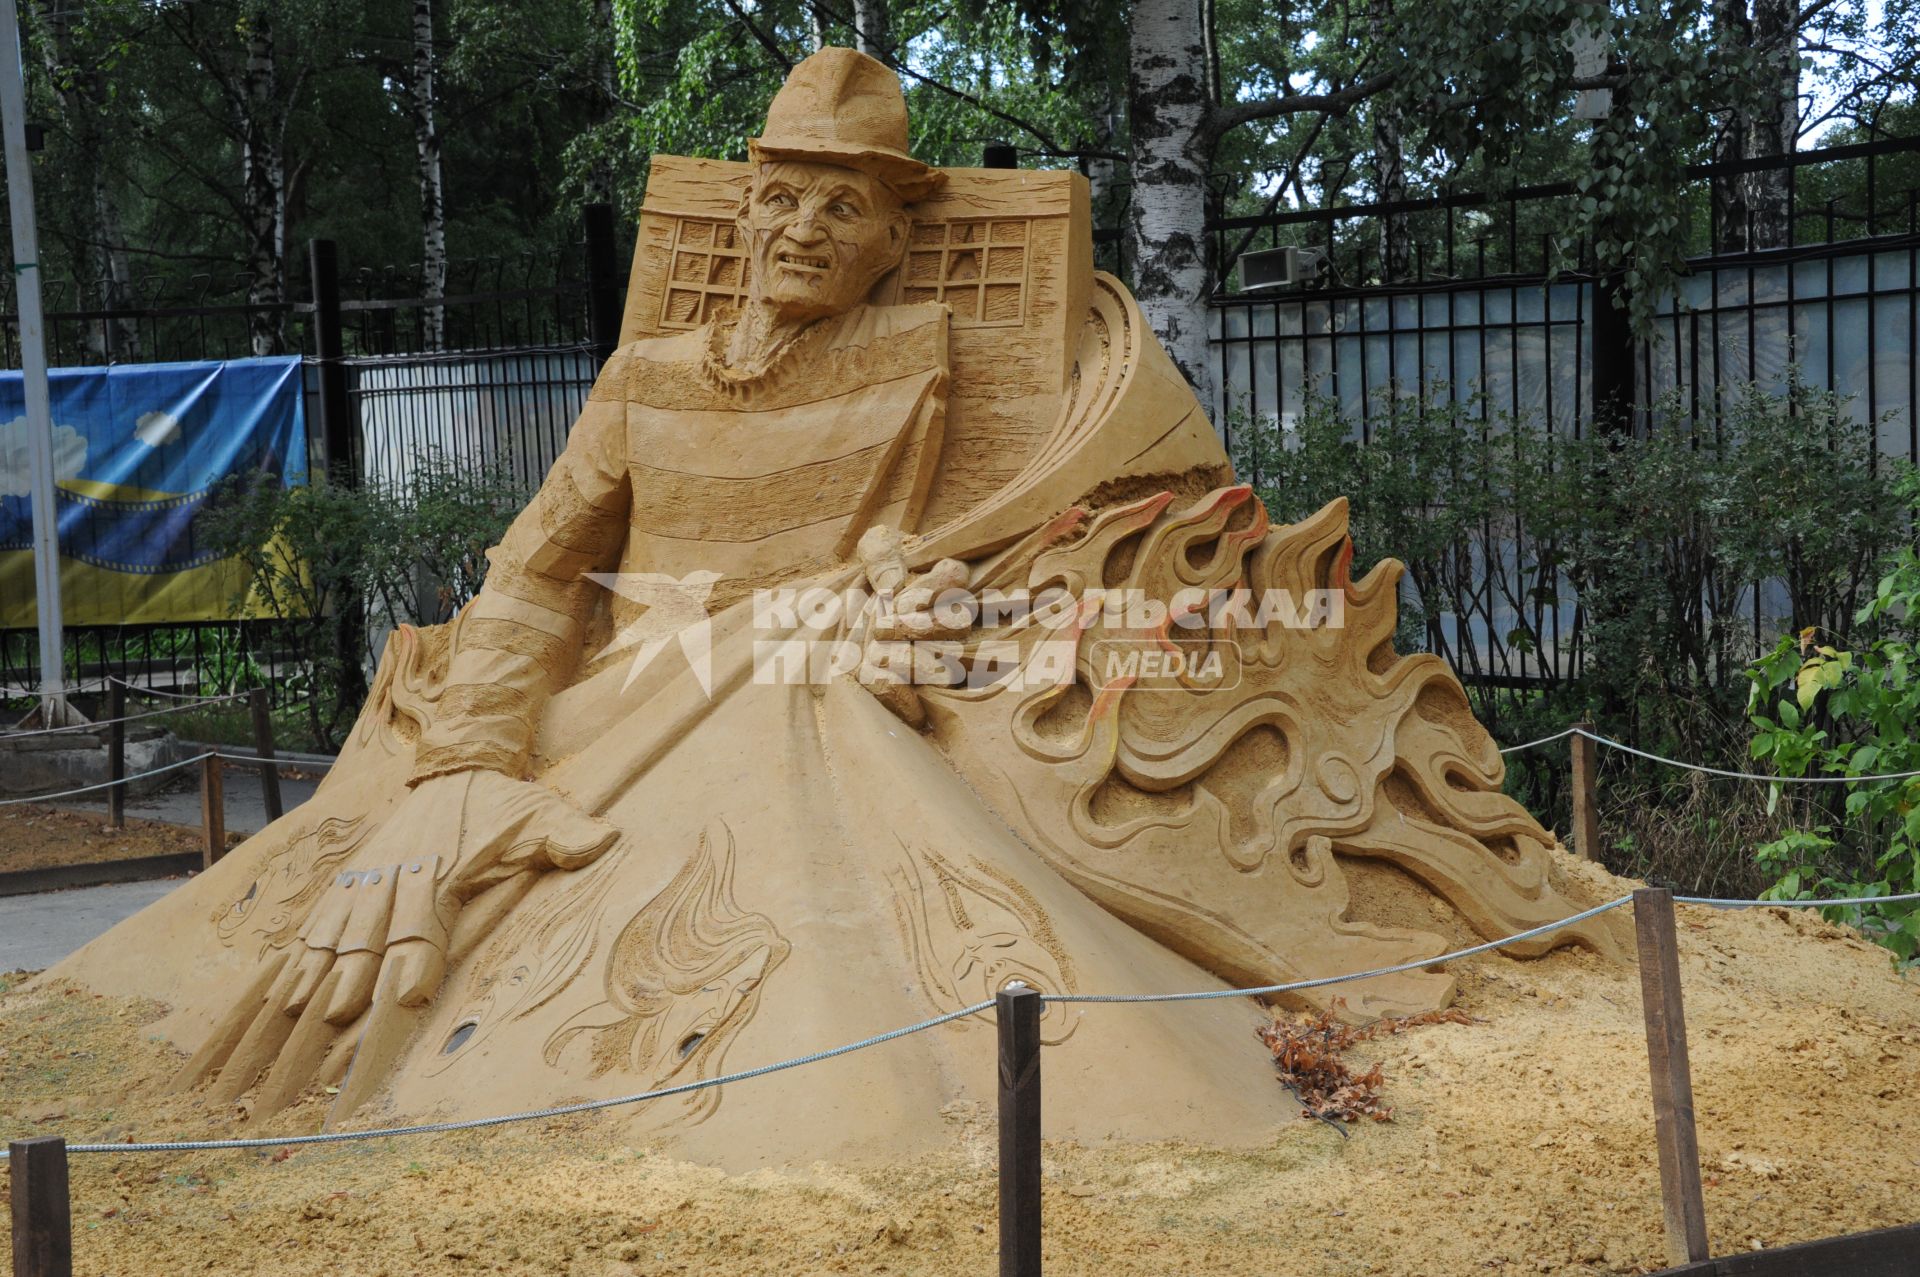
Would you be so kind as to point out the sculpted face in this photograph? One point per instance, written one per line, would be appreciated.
(819, 236)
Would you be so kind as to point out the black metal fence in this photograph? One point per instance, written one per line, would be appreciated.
(1482, 317)
(1484, 294)
(497, 366)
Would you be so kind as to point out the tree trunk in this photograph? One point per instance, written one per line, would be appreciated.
(1108, 197)
(1730, 139)
(1389, 164)
(1166, 220)
(606, 80)
(99, 256)
(872, 34)
(433, 208)
(263, 184)
(1776, 124)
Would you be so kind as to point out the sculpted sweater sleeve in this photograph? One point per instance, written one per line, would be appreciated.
(521, 637)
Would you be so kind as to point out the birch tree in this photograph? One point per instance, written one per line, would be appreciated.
(424, 108)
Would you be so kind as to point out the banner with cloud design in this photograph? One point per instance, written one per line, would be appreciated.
(140, 453)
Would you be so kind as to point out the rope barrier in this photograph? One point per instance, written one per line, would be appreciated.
(589, 1106)
(176, 696)
(1598, 739)
(1718, 903)
(559, 1110)
(109, 784)
(124, 718)
(1544, 740)
(1324, 981)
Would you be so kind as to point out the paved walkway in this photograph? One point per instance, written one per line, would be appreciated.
(38, 931)
(180, 804)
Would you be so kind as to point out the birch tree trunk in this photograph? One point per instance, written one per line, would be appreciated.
(433, 207)
(1166, 219)
(1775, 127)
(872, 34)
(1729, 193)
(263, 183)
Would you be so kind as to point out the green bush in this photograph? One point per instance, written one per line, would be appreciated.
(1652, 543)
(336, 563)
(1821, 709)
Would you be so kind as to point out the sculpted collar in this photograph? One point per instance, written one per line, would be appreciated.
(788, 359)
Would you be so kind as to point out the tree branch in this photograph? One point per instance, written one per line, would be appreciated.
(1234, 114)
(1051, 146)
(767, 42)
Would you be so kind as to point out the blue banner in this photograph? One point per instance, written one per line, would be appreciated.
(139, 453)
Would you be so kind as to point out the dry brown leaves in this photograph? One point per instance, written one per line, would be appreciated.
(1308, 1055)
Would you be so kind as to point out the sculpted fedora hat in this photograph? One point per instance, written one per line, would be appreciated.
(843, 107)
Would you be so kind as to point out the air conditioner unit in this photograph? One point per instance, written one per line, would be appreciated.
(1280, 268)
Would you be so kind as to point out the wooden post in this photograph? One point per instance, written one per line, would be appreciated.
(1659, 955)
(1017, 1010)
(42, 1213)
(1586, 818)
(263, 746)
(116, 756)
(213, 812)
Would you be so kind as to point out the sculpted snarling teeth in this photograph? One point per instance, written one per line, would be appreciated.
(802, 261)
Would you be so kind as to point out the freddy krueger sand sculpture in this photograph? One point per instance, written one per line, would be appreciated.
(653, 808)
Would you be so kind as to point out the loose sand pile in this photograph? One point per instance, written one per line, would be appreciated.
(1521, 1144)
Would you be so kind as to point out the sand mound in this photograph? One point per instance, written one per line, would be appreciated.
(1521, 1144)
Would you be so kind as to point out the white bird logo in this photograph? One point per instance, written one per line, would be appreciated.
(676, 607)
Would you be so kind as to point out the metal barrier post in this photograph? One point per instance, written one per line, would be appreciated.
(1017, 1011)
(263, 746)
(213, 812)
(1680, 1197)
(42, 1213)
(117, 756)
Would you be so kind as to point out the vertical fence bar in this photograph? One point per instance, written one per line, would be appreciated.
(213, 812)
(603, 282)
(1586, 817)
(329, 347)
(263, 745)
(1017, 1012)
(42, 1212)
(1659, 955)
(116, 756)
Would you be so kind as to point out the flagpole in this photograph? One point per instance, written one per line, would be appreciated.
(33, 365)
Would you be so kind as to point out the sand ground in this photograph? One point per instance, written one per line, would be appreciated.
(1522, 1143)
(33, 836)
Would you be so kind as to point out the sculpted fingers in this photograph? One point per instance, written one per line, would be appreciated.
(362, 942)
(320, 939)
(544, 831)
(417, 938)
(414, 971)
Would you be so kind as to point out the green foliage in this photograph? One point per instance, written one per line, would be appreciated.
(382, 555)
(307, 552)
(1823, 709)
(1626, 564)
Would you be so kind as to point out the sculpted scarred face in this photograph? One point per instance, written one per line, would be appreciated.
(820, 236)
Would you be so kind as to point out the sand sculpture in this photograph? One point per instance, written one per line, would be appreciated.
(609, 831)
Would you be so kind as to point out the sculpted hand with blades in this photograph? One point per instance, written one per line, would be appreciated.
(382, 932)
